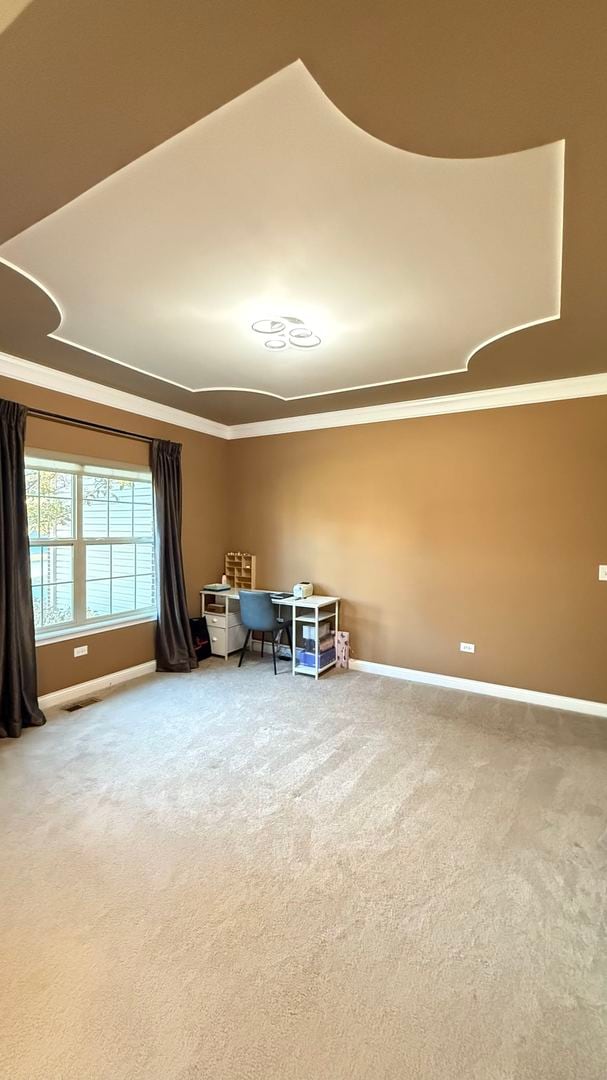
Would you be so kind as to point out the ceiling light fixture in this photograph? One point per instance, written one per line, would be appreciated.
(303, 338)
(288, 330)
(268, 326)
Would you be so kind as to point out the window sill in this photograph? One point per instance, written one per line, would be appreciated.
(72, 632)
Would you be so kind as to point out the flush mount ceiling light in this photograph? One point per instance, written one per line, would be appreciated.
(289, 331)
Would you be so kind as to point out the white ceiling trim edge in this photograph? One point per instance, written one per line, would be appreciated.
(500, 398)
(298, 397)
(15, 367)
(267, 393)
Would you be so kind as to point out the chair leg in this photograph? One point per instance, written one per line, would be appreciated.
(284, 629)
(273, 653)
(242, 651)
(263, 640)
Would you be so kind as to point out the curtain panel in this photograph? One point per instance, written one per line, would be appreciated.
(174, 647)
(18, 679)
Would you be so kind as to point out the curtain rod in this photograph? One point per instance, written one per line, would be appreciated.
(73, 422)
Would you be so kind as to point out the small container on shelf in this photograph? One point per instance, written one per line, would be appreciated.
(307, 657)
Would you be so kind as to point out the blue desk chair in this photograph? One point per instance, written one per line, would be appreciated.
(257, 612)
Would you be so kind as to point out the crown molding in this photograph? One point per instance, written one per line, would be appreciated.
(14, 367)
(500, 398)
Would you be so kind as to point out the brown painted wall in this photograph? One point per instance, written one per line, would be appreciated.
(204, 521)
(485, 527)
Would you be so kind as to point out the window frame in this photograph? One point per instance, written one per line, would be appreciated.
(80, 467)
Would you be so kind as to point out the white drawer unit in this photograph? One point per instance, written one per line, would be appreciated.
(231, 619)
(224, 642)
(218, 641)
(226, 631)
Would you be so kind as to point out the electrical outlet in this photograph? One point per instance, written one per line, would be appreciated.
(81, 650)
(467, 646)
(602, 573)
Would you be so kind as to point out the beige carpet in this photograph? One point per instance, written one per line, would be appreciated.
(232, 876)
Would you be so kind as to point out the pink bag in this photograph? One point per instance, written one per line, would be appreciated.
(342, 649)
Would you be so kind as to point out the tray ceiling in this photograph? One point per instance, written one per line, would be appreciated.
(277, 207)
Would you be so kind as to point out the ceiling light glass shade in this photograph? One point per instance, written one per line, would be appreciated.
(303, 338)
(267, 326)
(275, 343)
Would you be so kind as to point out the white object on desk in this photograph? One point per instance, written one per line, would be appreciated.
(303, 589)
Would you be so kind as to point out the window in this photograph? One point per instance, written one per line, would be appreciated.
(91, 531)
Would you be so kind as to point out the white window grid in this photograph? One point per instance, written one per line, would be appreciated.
(79, 545)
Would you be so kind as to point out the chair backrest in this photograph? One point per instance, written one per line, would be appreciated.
(257, 610)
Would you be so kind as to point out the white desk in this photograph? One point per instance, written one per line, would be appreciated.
(307, 619)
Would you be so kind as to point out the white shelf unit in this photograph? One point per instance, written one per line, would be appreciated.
(320, 613)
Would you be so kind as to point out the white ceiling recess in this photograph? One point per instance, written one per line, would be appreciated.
(277, 206)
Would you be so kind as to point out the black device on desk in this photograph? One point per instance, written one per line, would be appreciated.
(281, 595)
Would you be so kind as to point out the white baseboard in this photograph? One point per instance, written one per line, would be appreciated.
(472, 686)
(452, 682)
(95, 686)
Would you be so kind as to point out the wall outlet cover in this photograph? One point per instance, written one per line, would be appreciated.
(467, 646)
(603, 573)
(81, 650)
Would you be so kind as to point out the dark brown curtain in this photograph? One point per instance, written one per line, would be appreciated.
(174, 648)
(18, 682)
